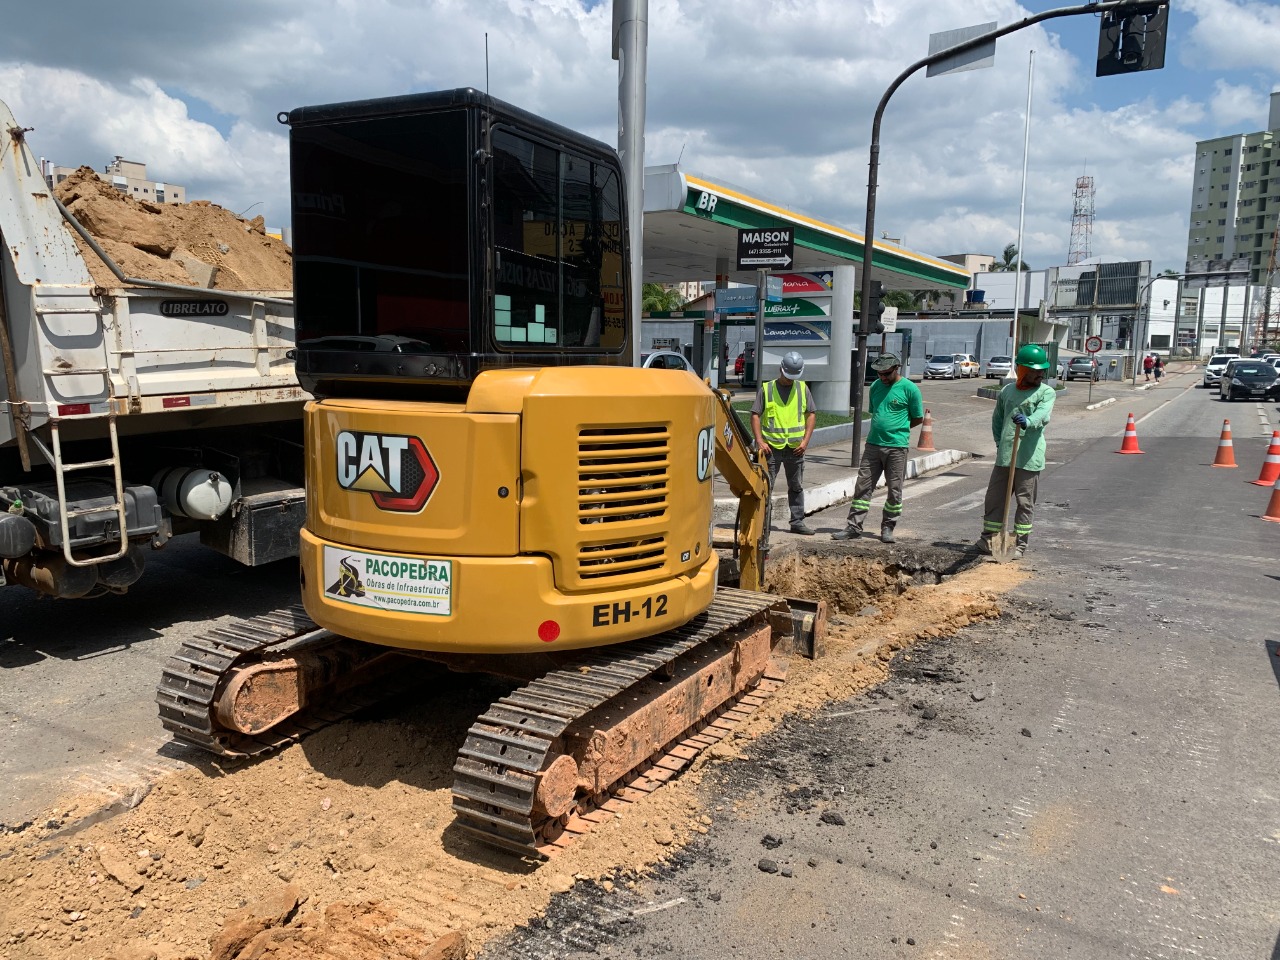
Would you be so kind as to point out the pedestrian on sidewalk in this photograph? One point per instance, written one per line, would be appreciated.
(1158, 367)
(1027, 403)
(782, 420)
(896, 406)
(1148, 364)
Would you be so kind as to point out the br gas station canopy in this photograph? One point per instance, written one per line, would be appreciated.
(691, 226)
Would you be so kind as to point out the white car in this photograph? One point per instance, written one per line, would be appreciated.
(999, 367)
(665, 360)
(1213, 369)
(967, 364)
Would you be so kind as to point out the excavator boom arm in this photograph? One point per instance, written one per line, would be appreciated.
(748, 479)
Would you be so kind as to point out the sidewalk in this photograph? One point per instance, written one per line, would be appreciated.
(829, 479)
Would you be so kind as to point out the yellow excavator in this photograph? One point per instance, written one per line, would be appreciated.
(490, 484)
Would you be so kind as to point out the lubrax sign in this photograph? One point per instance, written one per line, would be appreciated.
(194, 308)
(767, 247)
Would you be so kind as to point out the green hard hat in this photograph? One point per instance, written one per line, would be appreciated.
(1033, 356)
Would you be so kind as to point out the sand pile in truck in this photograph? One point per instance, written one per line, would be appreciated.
(198, 244)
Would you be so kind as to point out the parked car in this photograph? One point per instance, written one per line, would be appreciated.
(740, 365)
(968, 363)
(941, 366)
(1213, 369)
(1249, 380)
(999, 367)
(1276, 363)
(665, 360)
(1082, 368)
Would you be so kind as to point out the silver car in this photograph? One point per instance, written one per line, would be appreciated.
(999, 367)
(942, 366)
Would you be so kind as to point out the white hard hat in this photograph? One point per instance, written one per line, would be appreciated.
(792, 365)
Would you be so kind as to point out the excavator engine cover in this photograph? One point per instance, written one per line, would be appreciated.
(558, 508)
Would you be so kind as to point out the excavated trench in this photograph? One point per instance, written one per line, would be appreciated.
(342, 846)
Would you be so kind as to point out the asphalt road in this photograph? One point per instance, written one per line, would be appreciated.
(1096, 776)
(1139, 818)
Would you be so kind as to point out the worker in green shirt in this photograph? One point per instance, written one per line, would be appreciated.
(1026, 404)
(896, 406)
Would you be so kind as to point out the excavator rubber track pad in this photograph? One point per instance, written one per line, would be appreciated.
(495, 776)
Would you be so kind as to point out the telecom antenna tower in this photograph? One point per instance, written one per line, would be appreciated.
(1081, 221)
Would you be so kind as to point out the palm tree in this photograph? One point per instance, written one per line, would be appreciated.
(1009, 260)
(902, 299)
(926, 299)
(657, 297)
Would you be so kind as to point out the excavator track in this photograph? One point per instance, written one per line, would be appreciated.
(496, 776)
(194, 676)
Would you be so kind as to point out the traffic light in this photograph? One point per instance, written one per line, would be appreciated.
(1132, 38)
(871, 321)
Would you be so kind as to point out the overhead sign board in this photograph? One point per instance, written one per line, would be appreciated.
(736, 300)
(766, 247)
(794, 284)
(978, 57)
(1217, 273)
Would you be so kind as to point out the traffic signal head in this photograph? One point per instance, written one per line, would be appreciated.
(871, 321)
(1132, 38)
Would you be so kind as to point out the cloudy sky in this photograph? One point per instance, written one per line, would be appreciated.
(773, 95)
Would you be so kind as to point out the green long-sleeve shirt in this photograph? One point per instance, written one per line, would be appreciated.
(1037, 404)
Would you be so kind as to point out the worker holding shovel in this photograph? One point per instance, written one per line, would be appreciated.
(1017, 424)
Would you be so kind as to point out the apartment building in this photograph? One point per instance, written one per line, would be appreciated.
(127, 176)
(1235, 197)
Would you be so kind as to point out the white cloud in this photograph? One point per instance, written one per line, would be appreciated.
(1233, 34)
(1237, 107)
(776, 97)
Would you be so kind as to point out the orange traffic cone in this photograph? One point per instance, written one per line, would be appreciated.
(926, 433)
(1130, 444)
(1273, 508)
(1270, 466)
(1226, 453)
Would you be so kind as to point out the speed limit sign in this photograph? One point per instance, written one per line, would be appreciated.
(1093, 344)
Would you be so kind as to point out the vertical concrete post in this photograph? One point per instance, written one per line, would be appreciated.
(833, 396)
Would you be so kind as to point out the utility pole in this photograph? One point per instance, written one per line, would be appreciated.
(869, 232)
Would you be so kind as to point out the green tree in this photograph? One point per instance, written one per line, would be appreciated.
(1008, 261)
(657, 297)
(927, 299)
(904, 300)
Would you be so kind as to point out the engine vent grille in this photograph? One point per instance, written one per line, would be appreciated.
(623, 479)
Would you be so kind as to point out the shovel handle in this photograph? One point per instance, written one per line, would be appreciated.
(1008, 489)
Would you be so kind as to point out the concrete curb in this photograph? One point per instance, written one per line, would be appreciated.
(838, 491)
(1101, 403)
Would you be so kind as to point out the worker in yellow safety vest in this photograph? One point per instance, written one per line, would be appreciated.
(782, 420)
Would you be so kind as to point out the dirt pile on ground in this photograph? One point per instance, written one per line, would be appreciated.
(342, 846)
(199, 244)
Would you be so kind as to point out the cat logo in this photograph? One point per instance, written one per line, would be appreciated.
(706, 452)
(397, 472)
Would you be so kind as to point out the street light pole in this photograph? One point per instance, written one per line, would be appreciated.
(869, 232)
(1144, 303)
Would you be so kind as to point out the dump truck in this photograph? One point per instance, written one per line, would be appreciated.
(490, 485)
(132, 410)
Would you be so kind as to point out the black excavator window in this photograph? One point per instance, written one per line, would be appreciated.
(381, 234)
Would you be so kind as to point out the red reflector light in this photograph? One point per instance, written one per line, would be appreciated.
(72, 409)
(548, 630)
